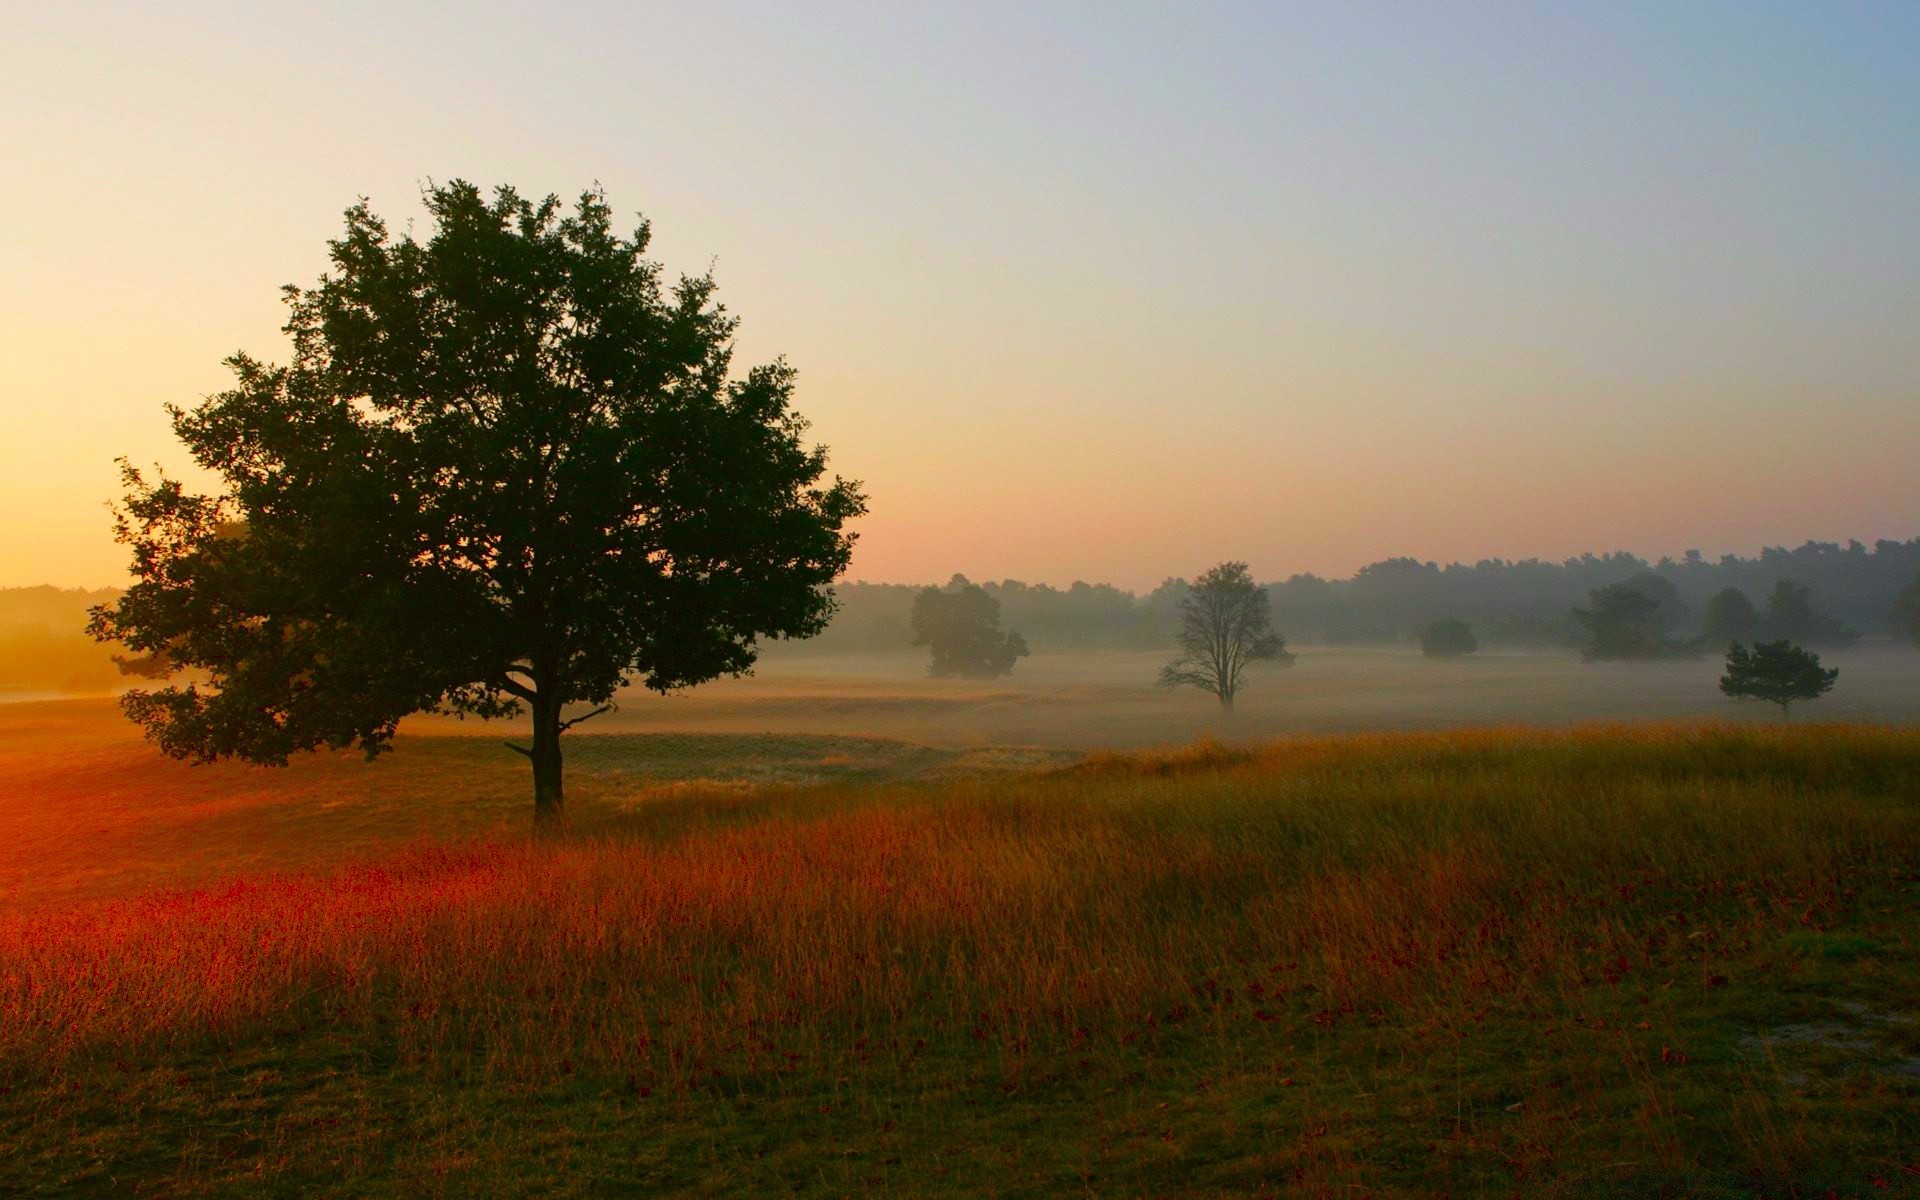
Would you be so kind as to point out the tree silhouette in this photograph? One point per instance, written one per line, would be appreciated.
(507, 470)
(1731, 617)
(962, 625)
(1620, 624)
(1776, 672)
(1791, 616)
(1226, 623)
(1448, 637)
(1906, 612)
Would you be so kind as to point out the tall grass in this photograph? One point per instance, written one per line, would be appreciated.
(1233, 910)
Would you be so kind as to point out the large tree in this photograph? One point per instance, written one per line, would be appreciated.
(509, 469)
(961, 625)
(1226, 625)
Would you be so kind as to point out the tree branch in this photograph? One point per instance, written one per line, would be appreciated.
(512, 688)
(518, 749)
(566, 725)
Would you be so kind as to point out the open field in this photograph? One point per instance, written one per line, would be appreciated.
(92, 811)
(1103, 699)
(98, 812)
(1639, 960)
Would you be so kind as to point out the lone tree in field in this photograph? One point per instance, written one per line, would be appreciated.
(1776, 672)
(1449, 637)
(962, 626)
(1226, 623)
(508, 470)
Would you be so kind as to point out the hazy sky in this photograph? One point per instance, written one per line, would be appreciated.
(1081, 292)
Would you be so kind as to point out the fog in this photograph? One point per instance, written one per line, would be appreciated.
(1090, 680)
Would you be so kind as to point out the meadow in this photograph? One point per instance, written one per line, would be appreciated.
(1106, 699)
(1671, 958)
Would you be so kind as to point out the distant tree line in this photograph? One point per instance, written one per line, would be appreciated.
(1837, 591)
(43, 643)
(1820, 594)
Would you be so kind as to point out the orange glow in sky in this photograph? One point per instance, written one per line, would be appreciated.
(1078, 294)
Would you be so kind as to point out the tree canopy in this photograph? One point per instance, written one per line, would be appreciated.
(1792, 616)
(1449, 637)
(1776, 672)
(509, 469)
(1731, 617)
(1623, 622)
(1905, 616)
(961, 625)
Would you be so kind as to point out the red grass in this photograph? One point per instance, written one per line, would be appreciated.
(1048, 910)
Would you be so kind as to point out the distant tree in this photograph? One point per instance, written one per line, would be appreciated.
(1449, 637)
(962, 625)
(1160, 611)
(1669, 613)
(1623, 623)
(1791, 616)
(1776, 672)
(1226, 624)
(507, 470)
(1906, 612)
(1731, 617)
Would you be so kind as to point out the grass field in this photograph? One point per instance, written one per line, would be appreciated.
(1670, 959)
(1100, 700)
(1104, 699)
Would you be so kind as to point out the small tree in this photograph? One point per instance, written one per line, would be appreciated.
(962, 626)
(1448, 637)
(1776, 672)
(1905, 617)
(509, 469)
(1226, 623)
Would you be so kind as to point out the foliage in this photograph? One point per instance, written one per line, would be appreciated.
(1791, 616)
(507, 468)
(1669, 613)
(1522, 603)
(1776, 672)
(1731, 617)
(1448, 637)
(1624, 623)
(1226, 624)
(962, 626)
(1905, 616)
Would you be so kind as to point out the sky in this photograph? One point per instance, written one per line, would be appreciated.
(1103, 292)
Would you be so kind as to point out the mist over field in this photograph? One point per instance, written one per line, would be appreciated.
(1095, 647)
(998, 600)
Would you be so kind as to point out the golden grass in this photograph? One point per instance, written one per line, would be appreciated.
(1417, 931)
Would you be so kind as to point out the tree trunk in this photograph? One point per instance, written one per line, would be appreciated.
(549, 801)
(1226, 701)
